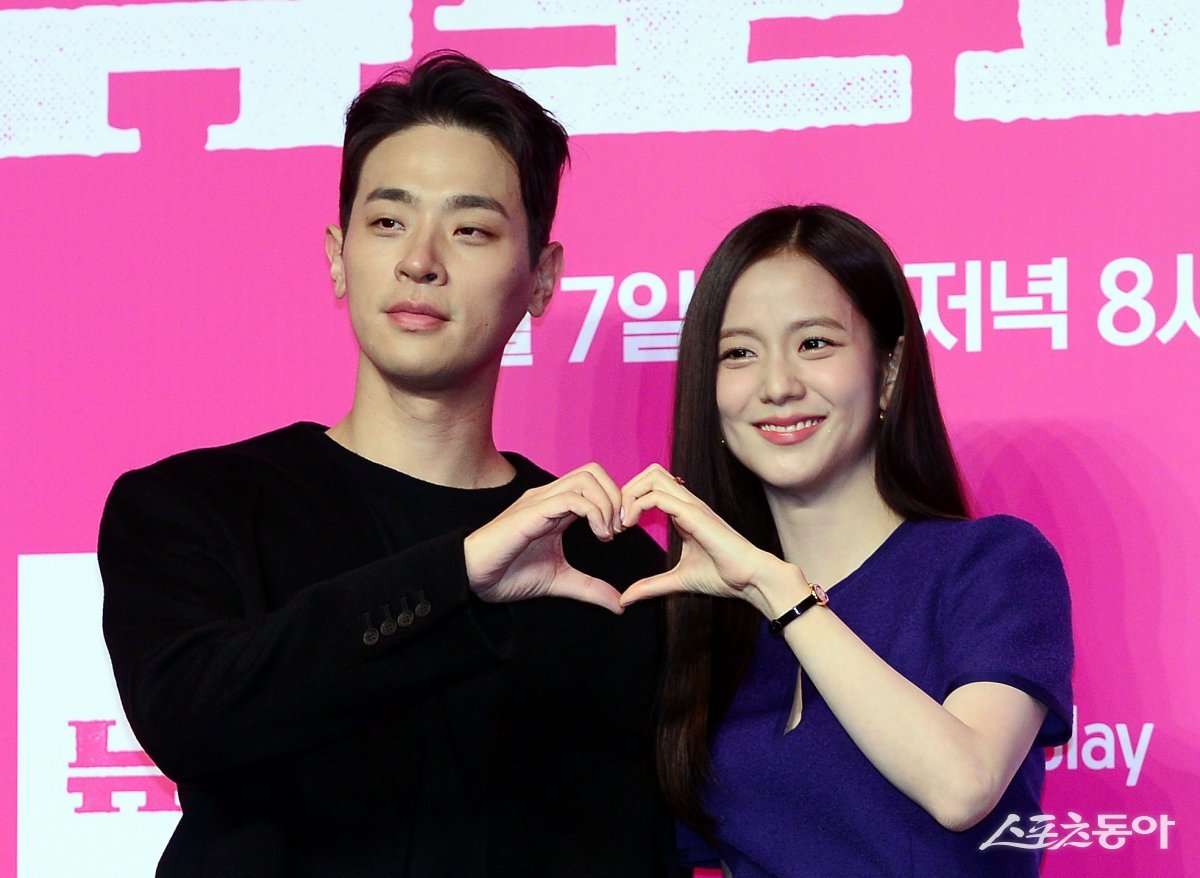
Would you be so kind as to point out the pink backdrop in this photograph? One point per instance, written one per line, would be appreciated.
(1033, 163)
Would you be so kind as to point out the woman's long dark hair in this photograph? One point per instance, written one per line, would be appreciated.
(710, 640)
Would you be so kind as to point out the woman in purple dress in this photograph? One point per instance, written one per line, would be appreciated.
(861, 678)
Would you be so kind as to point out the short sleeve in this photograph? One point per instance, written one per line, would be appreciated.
(1007, 617)
(693, 850)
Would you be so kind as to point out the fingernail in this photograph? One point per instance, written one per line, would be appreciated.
(623, 521)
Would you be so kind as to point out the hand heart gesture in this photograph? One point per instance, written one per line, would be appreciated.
(519, 554)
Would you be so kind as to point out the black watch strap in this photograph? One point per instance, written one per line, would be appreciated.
(816, 596)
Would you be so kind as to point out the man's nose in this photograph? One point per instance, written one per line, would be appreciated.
(420, 262)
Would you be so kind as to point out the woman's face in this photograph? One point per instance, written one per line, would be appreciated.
(798, 380)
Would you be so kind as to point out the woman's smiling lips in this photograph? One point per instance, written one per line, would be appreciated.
(415, 316)
(788, 431)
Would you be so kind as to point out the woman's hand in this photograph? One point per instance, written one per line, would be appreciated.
(518, 554)
(716, 560)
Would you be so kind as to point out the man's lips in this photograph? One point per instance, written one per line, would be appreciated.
(416, 315)
(788, 431)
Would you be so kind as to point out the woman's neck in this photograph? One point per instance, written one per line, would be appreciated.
(830, 536)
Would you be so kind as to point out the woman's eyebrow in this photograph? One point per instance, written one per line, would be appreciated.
(806, 323)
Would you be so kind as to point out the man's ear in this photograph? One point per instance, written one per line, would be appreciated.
(545, 277)
(891, 371)
(333, 250)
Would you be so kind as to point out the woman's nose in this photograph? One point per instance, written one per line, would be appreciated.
(781, 382)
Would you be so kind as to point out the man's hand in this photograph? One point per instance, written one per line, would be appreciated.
(518, 555)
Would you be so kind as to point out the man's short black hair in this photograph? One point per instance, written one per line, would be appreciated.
(447, 88)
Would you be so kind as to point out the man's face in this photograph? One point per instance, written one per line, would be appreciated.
(434, 262)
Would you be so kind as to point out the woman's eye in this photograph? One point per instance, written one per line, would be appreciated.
(735, 354)
(814, 344)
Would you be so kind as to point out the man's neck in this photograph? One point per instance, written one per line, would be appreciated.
(443, 436)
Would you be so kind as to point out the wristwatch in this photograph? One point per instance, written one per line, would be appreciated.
(816, 596)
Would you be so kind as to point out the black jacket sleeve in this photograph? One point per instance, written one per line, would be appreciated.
(220, 665)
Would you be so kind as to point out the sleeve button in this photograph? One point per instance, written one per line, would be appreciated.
(388, 626)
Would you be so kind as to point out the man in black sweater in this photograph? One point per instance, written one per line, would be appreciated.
(385, 647)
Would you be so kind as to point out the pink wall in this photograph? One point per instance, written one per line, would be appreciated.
(162, 295)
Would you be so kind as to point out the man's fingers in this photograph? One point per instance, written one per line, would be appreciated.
(611, 491)
(593, 483)
(581, 587)
(558, 507)
(489, 550)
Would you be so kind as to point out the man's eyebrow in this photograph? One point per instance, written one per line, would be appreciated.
(384, 193)
(469, 202)
(454, 202)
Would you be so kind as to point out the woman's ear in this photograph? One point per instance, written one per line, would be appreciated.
(891, 370)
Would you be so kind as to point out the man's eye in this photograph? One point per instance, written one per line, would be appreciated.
(387, 223)
(473, 232)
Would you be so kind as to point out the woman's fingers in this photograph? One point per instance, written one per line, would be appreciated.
(716, 558)
(653, 476)
(687, 514)
(654, 587)
(655, 479)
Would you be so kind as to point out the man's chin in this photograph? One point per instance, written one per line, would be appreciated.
(428, 378)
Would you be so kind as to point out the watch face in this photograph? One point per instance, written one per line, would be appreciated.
(819, 594)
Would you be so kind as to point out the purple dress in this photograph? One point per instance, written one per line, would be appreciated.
(945, 603)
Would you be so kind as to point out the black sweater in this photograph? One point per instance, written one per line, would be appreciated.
(296, 645)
